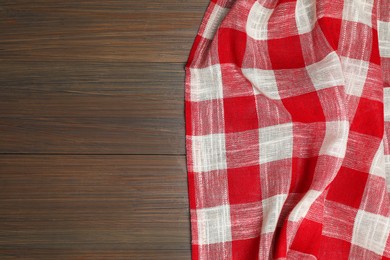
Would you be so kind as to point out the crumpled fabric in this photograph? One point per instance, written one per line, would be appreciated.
(287, 106)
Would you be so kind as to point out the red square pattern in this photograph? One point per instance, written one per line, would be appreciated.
(375, 56)
(194, 251)
(333, 248)
(240, 114)
(286, 53)
(244, 184)
(285, 1)
(191, 190)
(280, 250)
(302, 174)
(308, 238)
(231, 46)
(331, 29)
(246, 249)
(305, 108)
(188, 114)
(348, 187)
(369, 118)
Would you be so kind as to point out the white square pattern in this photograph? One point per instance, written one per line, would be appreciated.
(355, 73)
(327, 72)
(384, 38)
(386, 101)
(214, 21)
(305, 15)
(371, 231)
(276, 142)
(214, 225)
(263, 81)
(256, 26)
(387, 171)
(271, 212)
(206, 83)
(336, 137)
(378, 163)
(358, 11)
(301, 209)
(208, 152)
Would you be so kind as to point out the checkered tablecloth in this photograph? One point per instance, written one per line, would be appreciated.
(287, 106)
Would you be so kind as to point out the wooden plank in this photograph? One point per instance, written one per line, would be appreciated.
(94, 206)
(92, 108)
(115, 30)
(95, 254)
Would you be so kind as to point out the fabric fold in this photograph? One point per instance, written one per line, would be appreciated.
(287, 106)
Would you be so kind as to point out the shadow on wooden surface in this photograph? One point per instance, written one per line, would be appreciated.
(92, 151)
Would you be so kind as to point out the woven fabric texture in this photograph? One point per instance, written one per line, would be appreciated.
(287, 106)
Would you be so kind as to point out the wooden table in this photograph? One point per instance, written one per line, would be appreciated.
(92, 151)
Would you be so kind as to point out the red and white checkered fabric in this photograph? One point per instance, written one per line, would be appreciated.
(288, 130)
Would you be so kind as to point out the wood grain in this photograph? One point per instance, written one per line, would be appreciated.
(114, 30)
(92, 108)
(92, 145)
(93, 206)
(94, 254)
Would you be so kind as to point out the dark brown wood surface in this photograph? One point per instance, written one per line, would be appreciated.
(92, 148)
